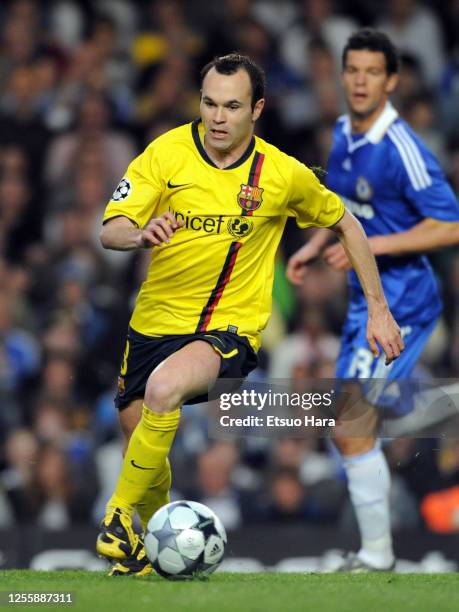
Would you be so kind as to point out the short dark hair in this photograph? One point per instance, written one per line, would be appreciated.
(374, 40)
(230, 64)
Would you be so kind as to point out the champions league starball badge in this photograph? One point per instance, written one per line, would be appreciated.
(122, 191)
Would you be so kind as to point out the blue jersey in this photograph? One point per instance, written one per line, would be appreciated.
(390, 181)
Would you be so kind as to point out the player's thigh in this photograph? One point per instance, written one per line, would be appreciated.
(356, 361)
(388, 388)
(356, 372)
(188, 372)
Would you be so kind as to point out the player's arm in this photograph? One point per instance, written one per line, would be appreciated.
(432, 197)
(428, 235)
(381, 327)
(121, 234)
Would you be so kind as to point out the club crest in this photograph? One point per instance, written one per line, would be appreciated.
(250, 198)
(363, 189)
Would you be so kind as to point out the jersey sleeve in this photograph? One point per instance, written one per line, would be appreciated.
(139, 191)
(310, 202)
(422, 181)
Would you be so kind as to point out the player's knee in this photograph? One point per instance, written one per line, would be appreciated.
(162, 393)
(349, 446)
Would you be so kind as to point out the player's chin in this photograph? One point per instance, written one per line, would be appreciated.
(221, 144)
(361, 107)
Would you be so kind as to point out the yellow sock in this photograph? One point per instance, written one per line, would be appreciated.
(145, 457)
(156, 497)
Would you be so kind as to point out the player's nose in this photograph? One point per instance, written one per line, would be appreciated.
(219, 115)
(360, 78)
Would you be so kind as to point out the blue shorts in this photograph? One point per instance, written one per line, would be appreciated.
(356, 362)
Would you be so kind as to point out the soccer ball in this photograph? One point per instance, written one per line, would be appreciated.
(185, 539)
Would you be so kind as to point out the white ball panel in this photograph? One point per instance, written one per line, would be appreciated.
(220, 528)
(182, 518)
(151, 546)
(190, 543)
(213, 552)
(202, 509)
(158, 519)
(171, 562)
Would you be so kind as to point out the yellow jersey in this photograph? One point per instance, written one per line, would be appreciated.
(217, 272)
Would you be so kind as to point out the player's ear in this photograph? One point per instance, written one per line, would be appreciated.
(259, 105)
(392, 83)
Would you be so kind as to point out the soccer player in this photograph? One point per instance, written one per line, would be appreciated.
(210, 200)
(393, 184)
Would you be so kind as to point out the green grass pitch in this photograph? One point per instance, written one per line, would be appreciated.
(227, 592)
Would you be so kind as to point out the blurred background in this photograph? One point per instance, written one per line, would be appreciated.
(84, 87)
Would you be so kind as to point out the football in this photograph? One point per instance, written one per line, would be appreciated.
(185, 539)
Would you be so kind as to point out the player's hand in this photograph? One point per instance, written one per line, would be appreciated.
(336, 257)
(298, 262)
(382, 330)
(159, 230)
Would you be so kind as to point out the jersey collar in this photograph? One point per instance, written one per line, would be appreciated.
(377, 131)
(200, 147)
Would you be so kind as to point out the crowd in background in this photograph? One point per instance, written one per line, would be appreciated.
(84, 86)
